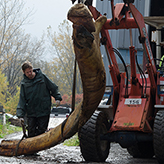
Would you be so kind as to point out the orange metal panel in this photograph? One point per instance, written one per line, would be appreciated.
(129, 117)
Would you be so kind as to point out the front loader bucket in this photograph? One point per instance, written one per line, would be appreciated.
(86, 45)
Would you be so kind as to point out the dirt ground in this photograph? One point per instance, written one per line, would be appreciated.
(71, 154)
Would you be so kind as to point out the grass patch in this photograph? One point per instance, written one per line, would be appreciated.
(73, 141)
(8, 129)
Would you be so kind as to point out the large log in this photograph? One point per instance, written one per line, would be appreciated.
(87, 50)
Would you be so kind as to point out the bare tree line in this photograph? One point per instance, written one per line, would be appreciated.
(16, 47)
(62, 47)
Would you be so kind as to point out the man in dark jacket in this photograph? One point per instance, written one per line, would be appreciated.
(35, 99)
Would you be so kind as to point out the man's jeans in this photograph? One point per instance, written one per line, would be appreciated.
(37, 125)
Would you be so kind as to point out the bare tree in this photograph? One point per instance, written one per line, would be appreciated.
(15, 45)
(64, 57)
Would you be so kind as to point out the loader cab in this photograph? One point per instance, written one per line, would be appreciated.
(156, 30)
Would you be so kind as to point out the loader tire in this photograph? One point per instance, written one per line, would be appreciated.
(92, 148)
(141, 150)
(158, 136)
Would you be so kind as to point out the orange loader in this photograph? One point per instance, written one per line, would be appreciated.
(135, 116)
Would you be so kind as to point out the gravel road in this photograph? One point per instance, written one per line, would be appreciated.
(71, 154)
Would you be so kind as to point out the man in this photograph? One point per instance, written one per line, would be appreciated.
(161, 63)
(35, 99)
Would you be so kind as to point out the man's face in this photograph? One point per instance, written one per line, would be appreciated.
(29, 73)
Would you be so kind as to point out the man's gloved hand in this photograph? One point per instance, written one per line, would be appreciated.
(21, 120)
(57, 103)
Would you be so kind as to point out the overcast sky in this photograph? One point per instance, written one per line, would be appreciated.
(47, 13)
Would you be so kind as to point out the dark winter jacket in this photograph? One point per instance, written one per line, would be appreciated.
(35, 95)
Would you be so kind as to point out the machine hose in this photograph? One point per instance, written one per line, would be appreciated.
(142, 75)
(123, 62)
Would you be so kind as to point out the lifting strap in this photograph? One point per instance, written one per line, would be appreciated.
(24, 136)
(74, 87)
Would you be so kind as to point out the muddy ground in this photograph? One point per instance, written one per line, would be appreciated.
(72, 154)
